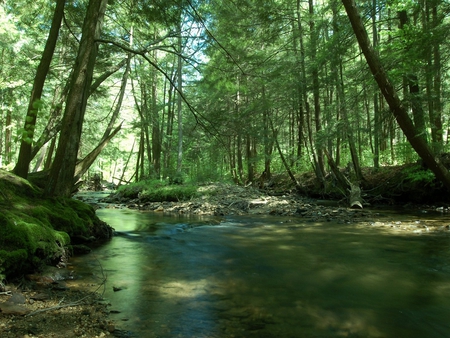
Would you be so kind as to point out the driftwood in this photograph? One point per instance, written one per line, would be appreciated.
(350, 190)
(355, 199)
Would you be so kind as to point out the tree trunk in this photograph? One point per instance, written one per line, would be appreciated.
(179, 106)
(61, 176)
(398, 110)
(376, 111)
(436, 117)
(156, 128)
(320, 168)
(23, 162)
(169, 128)
(8, 136)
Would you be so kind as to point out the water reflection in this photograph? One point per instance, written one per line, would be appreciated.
(271, 277)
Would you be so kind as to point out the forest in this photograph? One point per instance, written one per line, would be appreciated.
(214, 90)
(307, 129)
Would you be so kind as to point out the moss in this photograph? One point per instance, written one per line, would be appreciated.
(35, 230)
(12, 262)
(28, 238)
(172, 193)
(12, 185)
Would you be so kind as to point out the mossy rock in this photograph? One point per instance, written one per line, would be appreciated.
(26, 242)
(12, 185)
(35, 230)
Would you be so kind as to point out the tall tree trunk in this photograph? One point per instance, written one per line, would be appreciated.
(250, 152)
(23, 162)
(179, 106)
(320, 168)
(268, 143)
(169, 130)
(8, 137)
(436, 117)
(303, 98)
(388, 90)
(376, 110)
(139, 173)
(61, 176)
(239, 156)
(156, 136)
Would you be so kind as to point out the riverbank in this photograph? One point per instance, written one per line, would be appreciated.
(36, 233)
(220, 199)
(53, 309)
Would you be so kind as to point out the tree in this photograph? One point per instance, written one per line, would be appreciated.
(61, 177)
(388, 90)
(25, 156)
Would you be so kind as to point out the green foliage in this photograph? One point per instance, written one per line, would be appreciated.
(171, 193)
(158, 191)
(37, 105)
(417, 174)
(12, 261)
(134, 189)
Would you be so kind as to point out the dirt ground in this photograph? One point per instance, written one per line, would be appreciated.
(44, 306)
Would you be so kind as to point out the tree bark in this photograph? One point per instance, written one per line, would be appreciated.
(23, 162)
(61, 176)
(179, 107)
(320, 168)
(387, 89)
(8, 136)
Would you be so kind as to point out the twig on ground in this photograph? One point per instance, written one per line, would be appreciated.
(78, 302)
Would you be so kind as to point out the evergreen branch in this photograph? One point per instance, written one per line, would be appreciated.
(200, 19)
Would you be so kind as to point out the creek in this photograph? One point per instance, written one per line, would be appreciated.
(267, 276)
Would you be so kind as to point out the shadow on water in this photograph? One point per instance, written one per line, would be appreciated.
(271, 277)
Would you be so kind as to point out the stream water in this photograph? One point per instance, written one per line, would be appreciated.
(270, 277)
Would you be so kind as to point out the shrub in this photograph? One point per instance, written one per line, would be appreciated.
(416, 174)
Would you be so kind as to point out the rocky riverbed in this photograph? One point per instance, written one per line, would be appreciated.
(226, 199)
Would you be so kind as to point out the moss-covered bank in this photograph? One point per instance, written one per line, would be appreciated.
(35, 231)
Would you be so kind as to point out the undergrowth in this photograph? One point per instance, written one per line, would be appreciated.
(417, 174)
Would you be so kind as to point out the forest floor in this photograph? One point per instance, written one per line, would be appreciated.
(44, 305)
(55, 303)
